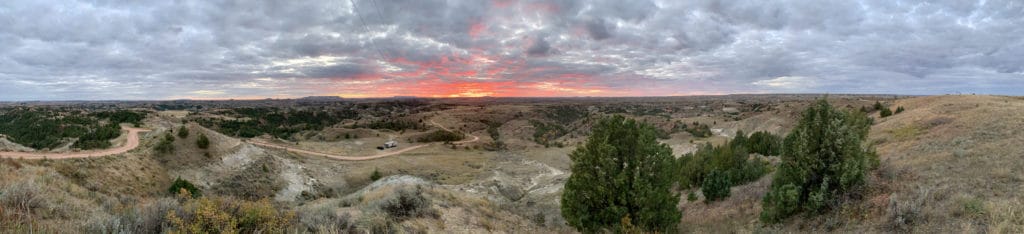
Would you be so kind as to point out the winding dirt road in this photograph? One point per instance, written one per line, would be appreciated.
(358, 158)
(133, 142)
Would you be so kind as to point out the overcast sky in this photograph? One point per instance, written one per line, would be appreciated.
(67, 49)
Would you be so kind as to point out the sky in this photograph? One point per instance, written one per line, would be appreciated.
(209, 49)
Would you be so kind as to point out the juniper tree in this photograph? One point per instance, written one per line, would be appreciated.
(822, 158)
(621, 172)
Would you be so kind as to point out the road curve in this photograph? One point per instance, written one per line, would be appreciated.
(133, 142)
(339, 157)
(475, 138)
(357, 158)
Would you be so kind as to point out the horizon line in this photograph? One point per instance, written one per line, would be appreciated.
(480, 97)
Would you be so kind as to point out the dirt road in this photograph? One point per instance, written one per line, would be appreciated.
(358, 158)
(133, 142)
(475, 138)
(339, 157)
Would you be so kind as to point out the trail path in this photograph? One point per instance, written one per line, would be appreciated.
(133, 142)
(358, 158)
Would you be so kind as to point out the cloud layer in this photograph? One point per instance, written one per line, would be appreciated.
(253, 49)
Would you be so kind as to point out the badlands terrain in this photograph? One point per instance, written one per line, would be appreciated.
(478, 165)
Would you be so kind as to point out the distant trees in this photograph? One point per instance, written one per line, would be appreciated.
(183, 132)
(547, 133)
(731, 161)
(41, 128)
(442, 136)
(99, 138)
(203, 142)
(277, 122)
(621, 177)
(394, 124)
(822, 158)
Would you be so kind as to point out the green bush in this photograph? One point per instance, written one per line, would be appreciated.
(376, 175)
(203, 142)
(621, 171)
(546, 133)
(899, 110)
(715, 186)
(182, 132)
(165, 145)
(699, 130)
(764, 143)
(822, 159)
(886, 112)
(180, 184)
(406, 204)
(731, 159)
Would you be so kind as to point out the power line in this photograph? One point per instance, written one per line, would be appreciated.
(367, 30)
(380, 15)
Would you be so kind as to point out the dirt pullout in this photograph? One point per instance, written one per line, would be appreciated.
(133, 142)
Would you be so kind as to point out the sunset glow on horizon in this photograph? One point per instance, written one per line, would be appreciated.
(84, 50)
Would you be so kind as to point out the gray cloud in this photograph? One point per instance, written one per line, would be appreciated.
(171, 49)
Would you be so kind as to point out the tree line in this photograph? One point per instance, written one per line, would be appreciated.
(48, 128)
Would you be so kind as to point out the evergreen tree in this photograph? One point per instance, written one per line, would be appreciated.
(822, 158)
(621, 171)
(886, 112)
(715, 186)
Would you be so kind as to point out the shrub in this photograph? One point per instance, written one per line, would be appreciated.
(180, 184)
(621, 170)
(899, 110)
(822, 158)
(699, 130)
(886, 112)
(376, 175)
(730, 159)
(166, 145)
(407, 203)
(203, 142)
(715, 186)
(326, 220)
(182, 132)
(764, 143)
(225, 215)
(262, 217)
(25, 197)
